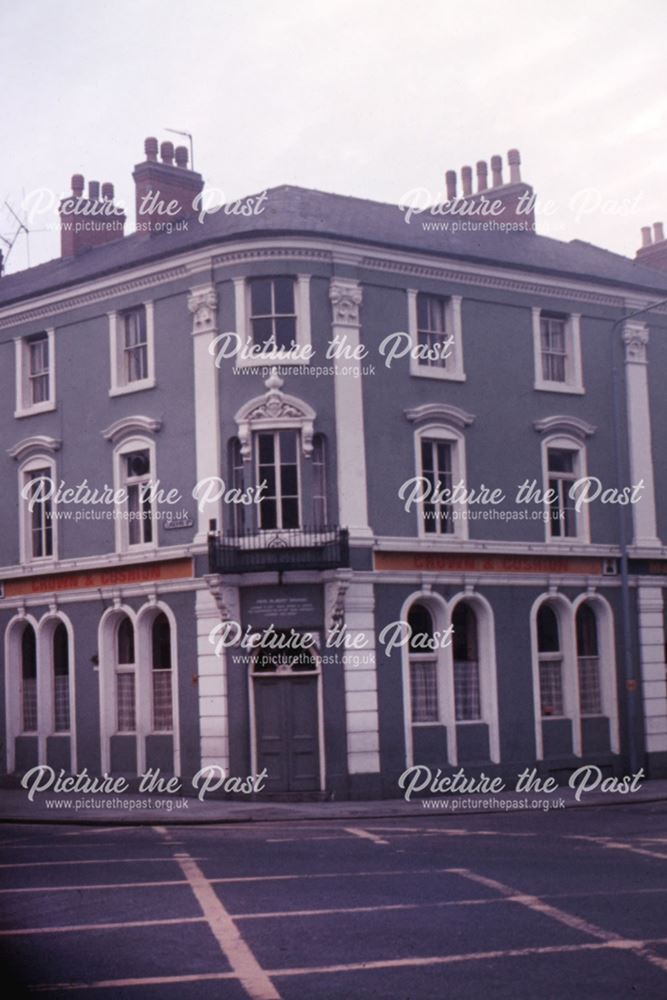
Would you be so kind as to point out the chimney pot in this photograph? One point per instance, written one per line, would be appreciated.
(514, 160)
(107, 191)
(167, 152)
(77, 185)
(647, 236)
(658, 232)
(93, 190)
(482, 175)
(181, 155)
(150, 148)
(450, 181)
(496, 171)
(466, 180)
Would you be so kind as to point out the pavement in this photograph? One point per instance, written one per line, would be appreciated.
(565, 903)
(136, 809)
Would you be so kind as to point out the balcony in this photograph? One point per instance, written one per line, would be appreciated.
(278, 550)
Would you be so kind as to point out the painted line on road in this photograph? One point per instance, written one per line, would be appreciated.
(357, 831)
(99, 886)
(117, 925)
(538, 905)
(369, 966)
(250, 973)
(618, 846)
(89, 861)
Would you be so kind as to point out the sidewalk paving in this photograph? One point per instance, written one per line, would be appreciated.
(135, 809)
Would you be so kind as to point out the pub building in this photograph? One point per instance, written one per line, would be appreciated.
(489, 636)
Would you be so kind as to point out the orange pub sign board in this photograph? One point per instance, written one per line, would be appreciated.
(445, 562)
(169, 569)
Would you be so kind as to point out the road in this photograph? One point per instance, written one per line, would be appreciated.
(569, 904)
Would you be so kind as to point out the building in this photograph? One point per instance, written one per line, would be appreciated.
(396, 384)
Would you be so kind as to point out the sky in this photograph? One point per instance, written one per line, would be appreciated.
(372, 98)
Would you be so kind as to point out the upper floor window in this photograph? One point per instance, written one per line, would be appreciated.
(557, 350)
(273, 318)
(273, 312)
(319, 484)
(35, 374)
(36, 482)
(437, 470)
(134, 470)
(278, 466)
(132, 349)
(434, 323)
(564, 463)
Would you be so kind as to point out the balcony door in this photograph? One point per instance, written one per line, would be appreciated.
(287, 711)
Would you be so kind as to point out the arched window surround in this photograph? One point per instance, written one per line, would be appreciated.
(441, 611)
(566, 615)
(142, 622)
(44, 629)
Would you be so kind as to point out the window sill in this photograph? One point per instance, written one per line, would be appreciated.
(439, 374)
(267, 361)
(34, 410)
(123, 390)
(423, 725)
(570, 390)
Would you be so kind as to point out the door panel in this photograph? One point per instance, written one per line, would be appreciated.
(287, 732)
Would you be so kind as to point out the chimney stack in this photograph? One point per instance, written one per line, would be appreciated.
(516, 197)
(89, 222)
(165, 190)
(653, 251)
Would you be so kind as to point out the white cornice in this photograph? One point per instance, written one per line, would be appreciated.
(36, 443)
(414, 263)
(127, 426)
(442, 413)
(565, 424)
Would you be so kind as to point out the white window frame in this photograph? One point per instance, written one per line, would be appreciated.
(24, 406)
(275, 432)
(32, 464)
(119, 384)
(570, 676)
(453, 372)
(436, 432)
(121, 523)
(244, 325)
(604, 620)
(582, 517)
(573, 383)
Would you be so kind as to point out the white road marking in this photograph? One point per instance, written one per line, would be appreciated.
(390, 963)
(117, 925)
(250, 973)
(357, 831)
(618, 846)
(89, 861)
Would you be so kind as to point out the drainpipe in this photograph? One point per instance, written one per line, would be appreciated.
(628, 663)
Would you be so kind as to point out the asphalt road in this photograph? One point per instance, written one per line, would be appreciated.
(569, 904)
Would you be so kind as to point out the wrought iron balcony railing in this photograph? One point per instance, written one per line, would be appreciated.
(318, 548)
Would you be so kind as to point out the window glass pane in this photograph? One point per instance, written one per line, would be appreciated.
(161, 643)
(587, 633)
(464, 639)
(285, 327)
(29, 679)
(421, 624)
(60, 679)
(267, 513)
(467, 705)
(163, 718)
(125, 702)
(284, 295)
(561, 460)
(262, 331)
(137, 463)
(547, 630)
(260, 297)
(290, 512)
(266, 448)
(125, 641)
(424, 691)
(551, 687)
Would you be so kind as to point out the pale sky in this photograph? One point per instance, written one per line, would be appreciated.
(364, 97)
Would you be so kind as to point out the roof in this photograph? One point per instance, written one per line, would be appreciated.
(296, 211)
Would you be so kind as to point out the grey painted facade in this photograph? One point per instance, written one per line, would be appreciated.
(352, 715)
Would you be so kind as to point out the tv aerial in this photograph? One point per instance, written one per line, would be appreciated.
(9, 241)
